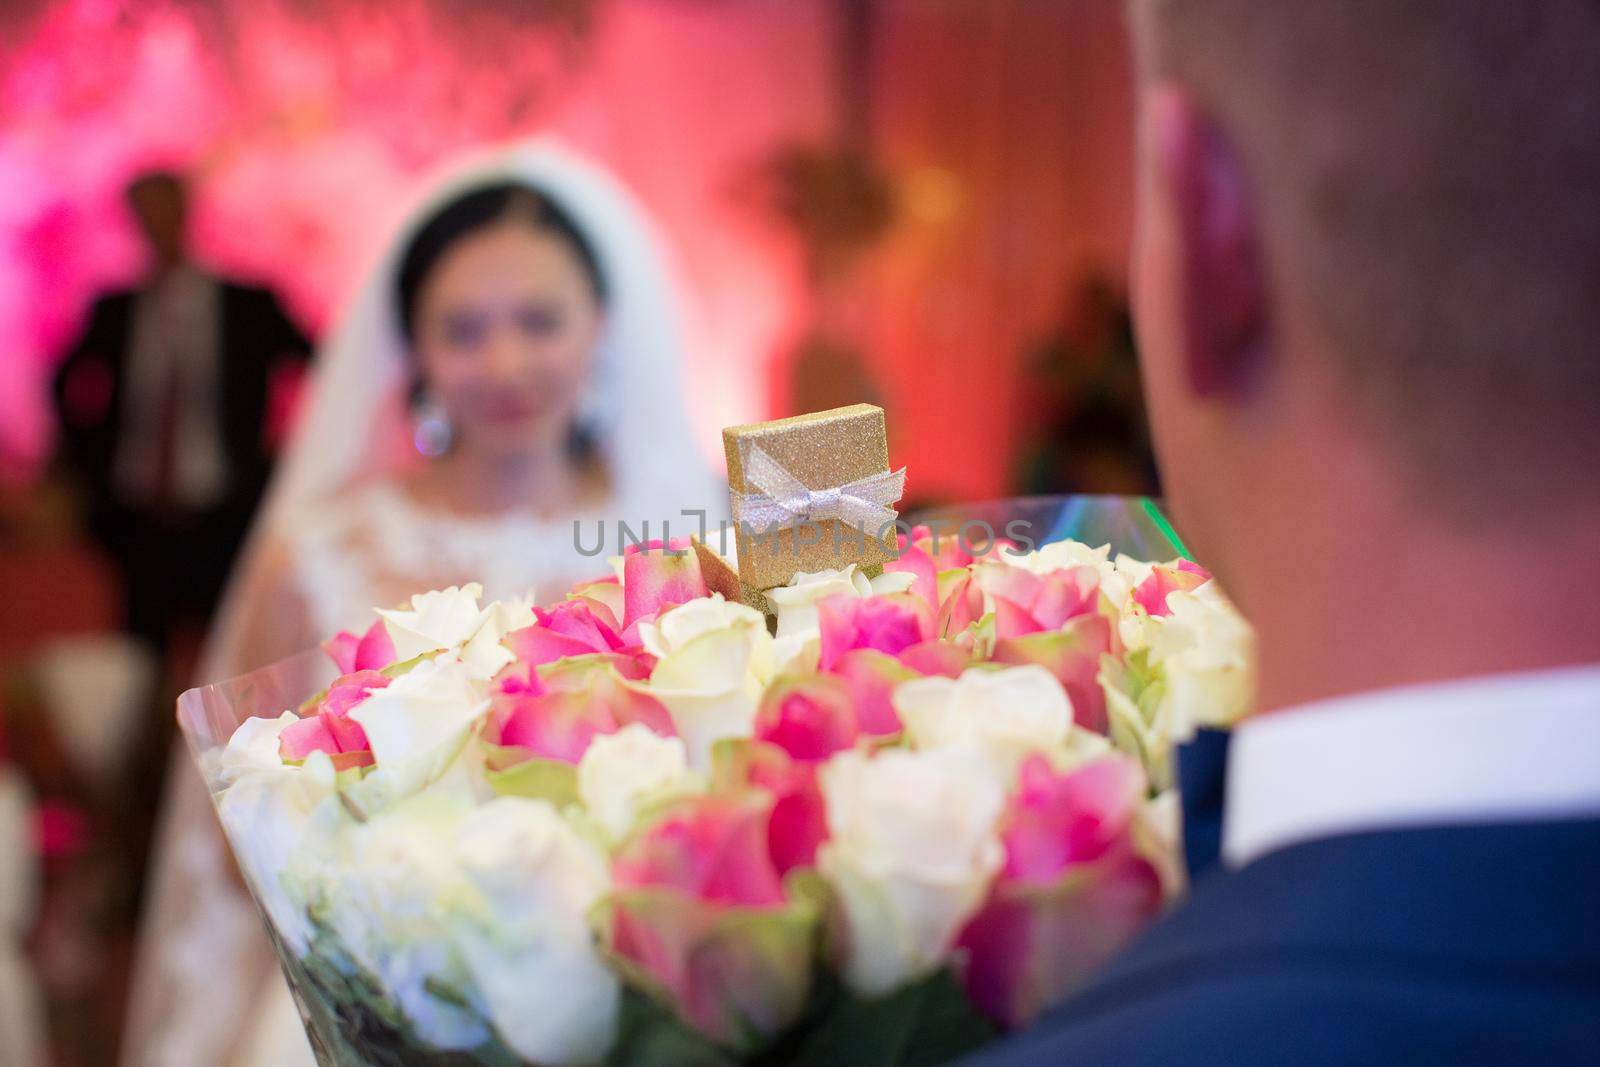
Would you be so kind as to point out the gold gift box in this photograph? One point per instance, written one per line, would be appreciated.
(723, 577)
(823, 450)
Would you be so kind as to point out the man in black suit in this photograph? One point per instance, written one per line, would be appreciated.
(163, 406)
(1367, 284)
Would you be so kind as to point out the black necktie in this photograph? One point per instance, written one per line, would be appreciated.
(1202, 781)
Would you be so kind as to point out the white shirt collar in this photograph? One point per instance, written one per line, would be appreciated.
(1506, 747)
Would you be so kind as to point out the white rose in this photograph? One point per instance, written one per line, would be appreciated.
(1061, 554)
(483, 654)
(388, 893)
(714, 658)
(445, 618)
(1205, 651)
(417, 726)
(796, 603)
(685, 622)
(523, 857)
(1001, 715)
(1133, 570)
(548, 994)
(1080, 747)
(428, 708)
(253, 747)
(451, 620)
(270, 816)
(623, 774)
(530, 956)
(1135, 625)
(911, 853)
(797, 653)
(270, 810)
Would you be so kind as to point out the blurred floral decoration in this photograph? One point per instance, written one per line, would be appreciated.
(834, 199)
(838, 204)
(276, 107)
(271, 57)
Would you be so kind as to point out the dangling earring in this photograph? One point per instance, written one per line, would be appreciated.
(590, 419)
(431, 432)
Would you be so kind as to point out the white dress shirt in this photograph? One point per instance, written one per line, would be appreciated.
(1497, 748)
(175, 321)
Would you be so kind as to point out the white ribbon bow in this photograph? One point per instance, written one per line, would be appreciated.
(783, 498)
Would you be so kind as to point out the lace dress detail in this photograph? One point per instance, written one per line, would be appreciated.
(375, 547)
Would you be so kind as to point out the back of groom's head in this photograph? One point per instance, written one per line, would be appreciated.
(1368, 265)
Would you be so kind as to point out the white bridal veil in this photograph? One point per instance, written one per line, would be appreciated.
(637, 400)
(635, 405)
(202, 955)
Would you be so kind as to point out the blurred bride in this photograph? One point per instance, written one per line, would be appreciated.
(527, 318)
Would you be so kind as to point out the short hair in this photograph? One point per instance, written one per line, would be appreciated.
(1429, 173)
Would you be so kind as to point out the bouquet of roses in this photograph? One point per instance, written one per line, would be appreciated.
(887, 821)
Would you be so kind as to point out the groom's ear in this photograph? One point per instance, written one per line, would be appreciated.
(1219, 282)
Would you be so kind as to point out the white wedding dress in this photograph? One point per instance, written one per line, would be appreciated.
(378, 546)
(343, 539)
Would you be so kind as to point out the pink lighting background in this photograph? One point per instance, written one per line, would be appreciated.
(1002, 125)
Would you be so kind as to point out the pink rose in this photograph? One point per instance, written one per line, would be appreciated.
(1183, 576)
(944, 549)
(921, 558)
(372, 651)
(575, 627)
(798, 824)
(1072, 654)
(656, 544)
(960, 605)
(800, 723)
(654, 579)
(927, 557)
(871, 677)
(605, 591)
(1025, 602)
(808, 716)
(945, 658)
(555, 712)
(924, 572)
(329, 728)
(890, 623)
(700, 917)
(1073, 891)
(518, 678)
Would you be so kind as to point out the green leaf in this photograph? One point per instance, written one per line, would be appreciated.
(541, 779)
(730, 763)
(395, 670)
(947, 1026)
(353, 1022)
(926, 1023)
(649, 1034)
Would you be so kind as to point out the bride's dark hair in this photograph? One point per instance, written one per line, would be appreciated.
(475, 209)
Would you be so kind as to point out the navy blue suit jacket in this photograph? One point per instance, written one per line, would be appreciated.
(1449, 945)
